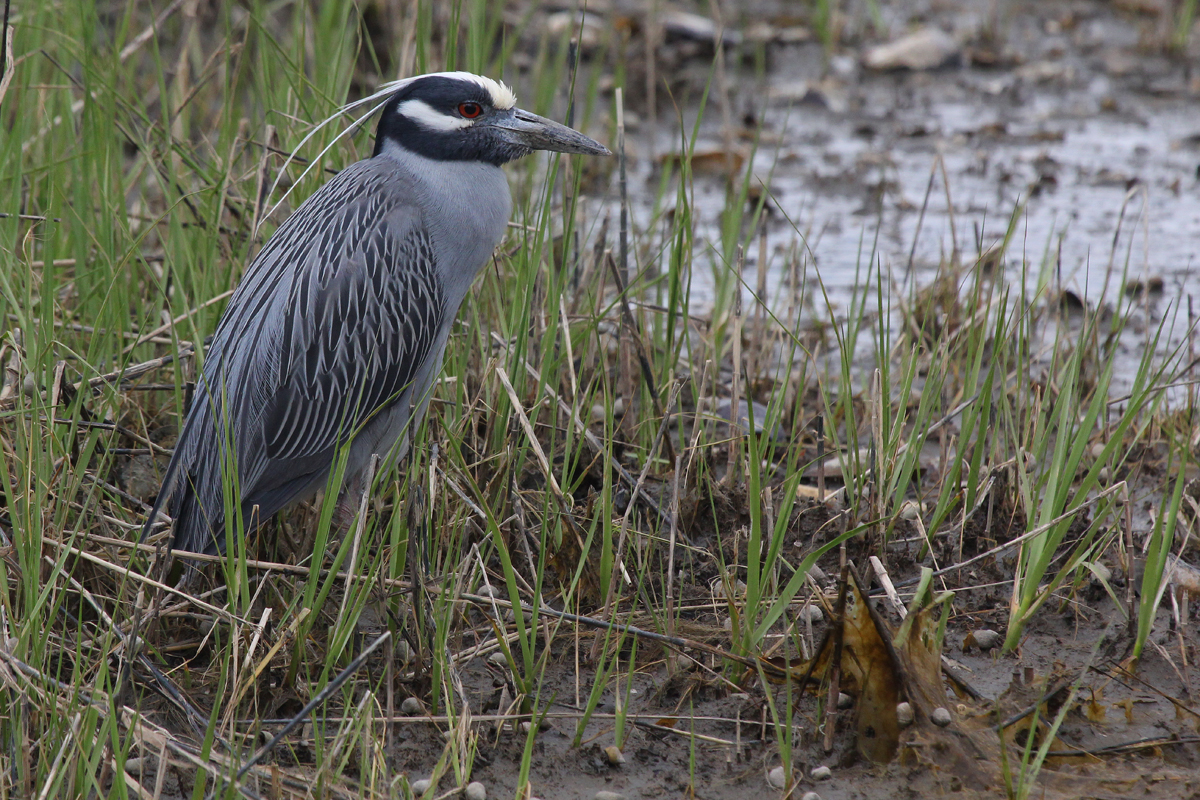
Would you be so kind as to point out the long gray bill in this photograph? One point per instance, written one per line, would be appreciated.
(539, 133)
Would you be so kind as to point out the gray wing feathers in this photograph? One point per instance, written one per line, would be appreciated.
(331, 323)
(359, 343)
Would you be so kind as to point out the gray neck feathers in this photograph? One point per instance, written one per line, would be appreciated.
(466, 205)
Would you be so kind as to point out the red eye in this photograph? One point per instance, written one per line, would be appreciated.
(470, 110)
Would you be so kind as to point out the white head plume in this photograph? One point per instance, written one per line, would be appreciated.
(502, 97)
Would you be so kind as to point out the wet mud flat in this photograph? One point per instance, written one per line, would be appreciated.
(1066, 131)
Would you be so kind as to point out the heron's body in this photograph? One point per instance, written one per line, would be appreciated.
(337, 331)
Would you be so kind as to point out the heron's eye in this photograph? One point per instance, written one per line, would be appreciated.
(470, 110)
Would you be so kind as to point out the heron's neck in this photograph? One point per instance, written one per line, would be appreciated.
(466, 206)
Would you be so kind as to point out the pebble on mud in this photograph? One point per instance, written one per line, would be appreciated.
(475, 791)
(835, 500)
(421, 787)
(498, 659)
(811, 796)
(910, 510)
(812, 614)
(693, 27)
(940, 717)
(985, 639)
(614, 756)
(821, 773)
(605, 794)
(588, 27)
(844, 701)
(928, 48)
(722, 592)
(777, 778)
(411, 707)
(904, 714)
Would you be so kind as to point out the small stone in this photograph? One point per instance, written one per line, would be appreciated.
(411, 707)
(598, 413)
(940, 717)
(403, 651)
(694, 27)
(487, 591)
(727, 623)
(844, 701)
(811, 796)
(910, 510)
(904, 714)
(746, 410)
(812, 614)
(475, 791)
(722, 592)
(821, 773)
(605, 794)
(498, 659)
(1105, 476)
(985, 639)
(510, 616)
(526, 726)
(614, 756)
(928, 48)
(587, 28)
(421, 787)
(777, 778)
(134, 766)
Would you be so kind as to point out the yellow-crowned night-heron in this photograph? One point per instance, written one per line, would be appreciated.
(336, 333)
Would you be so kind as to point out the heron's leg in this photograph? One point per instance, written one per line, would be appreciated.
(344, 513)
(348, 503)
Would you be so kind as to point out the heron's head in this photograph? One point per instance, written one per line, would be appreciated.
(458, 116)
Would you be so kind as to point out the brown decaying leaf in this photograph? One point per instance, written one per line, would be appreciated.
(869, 670)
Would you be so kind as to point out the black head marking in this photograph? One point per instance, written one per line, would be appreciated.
(425, 117)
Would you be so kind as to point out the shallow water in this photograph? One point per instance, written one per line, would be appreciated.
(1094, 139)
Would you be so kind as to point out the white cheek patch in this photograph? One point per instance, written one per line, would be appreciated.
(427, 117)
